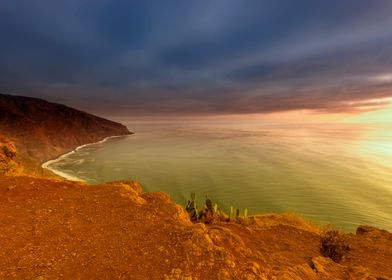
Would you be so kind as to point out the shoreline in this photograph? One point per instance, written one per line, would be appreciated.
(46, 164)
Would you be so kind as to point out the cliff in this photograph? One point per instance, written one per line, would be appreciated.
(56, 229)
(42, 130)
(67, 230)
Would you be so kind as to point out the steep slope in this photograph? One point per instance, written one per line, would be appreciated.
(42, 130)
(67, 230)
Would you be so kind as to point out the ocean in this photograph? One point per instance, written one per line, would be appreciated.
(336, 173)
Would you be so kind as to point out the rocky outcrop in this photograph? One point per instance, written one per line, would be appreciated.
(42, 130)
(68, 230)
(8, 163)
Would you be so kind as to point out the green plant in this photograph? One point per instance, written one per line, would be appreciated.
(209, 205)
(231, 215)
(215, 208)
(205, 215)
(191, 208)
(246, 214)
(334, 244)
(211, 213)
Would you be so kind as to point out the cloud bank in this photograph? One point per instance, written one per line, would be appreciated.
(199, 57)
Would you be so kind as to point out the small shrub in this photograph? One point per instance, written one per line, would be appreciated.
(334, 245)
(207, 214)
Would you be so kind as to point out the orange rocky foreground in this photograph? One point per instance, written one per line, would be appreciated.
(64, 230)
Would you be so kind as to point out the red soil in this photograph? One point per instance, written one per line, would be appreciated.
(52, 229)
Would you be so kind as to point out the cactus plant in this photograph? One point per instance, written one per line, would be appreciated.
(237, 215)
(191, 208)
(210, 212)
(209, 204)
(215, 208)
(231, 216)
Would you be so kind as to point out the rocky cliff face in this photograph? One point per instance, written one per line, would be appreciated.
(42, 130)
(8, 163)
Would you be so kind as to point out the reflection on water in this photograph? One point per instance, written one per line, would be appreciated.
(337, 173)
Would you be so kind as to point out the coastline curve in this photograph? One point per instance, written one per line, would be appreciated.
(46, 164)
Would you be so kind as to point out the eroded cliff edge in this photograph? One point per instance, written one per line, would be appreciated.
(42, 130)
(67, 230)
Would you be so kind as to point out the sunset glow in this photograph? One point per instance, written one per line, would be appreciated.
(196, 139)
(200, 59)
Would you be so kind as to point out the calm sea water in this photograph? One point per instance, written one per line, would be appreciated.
(331, 173)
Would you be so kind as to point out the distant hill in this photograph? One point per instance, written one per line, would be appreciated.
(43, 130)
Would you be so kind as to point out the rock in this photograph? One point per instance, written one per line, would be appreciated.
(8, 163)
(365, 229)
(373, 232)
(131, 190)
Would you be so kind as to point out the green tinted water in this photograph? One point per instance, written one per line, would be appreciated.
(336, 173)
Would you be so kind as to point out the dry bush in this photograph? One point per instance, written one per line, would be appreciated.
(334, 244)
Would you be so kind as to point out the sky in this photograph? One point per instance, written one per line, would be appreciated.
(222, 57)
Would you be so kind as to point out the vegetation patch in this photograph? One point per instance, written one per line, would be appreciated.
(334, 244)
(210, 212)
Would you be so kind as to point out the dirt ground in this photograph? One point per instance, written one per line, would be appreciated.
(54, 229)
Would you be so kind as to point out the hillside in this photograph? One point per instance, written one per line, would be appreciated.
(42, 130)
(67, 230)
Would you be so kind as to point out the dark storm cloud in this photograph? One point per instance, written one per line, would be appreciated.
(198, 57)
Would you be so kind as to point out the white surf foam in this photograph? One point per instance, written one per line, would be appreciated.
(47, 164)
